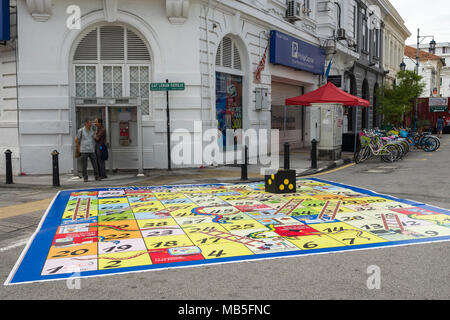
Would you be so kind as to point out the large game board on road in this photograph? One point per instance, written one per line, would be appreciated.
(117, 230)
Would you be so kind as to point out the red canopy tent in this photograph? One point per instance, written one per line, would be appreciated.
(328, 93)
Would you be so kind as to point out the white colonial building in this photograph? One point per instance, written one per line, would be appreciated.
(77, 59)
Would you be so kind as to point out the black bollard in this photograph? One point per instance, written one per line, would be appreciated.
(9, 175)
(287, 160)
(314, 154)
(244, 175)
(55, 166)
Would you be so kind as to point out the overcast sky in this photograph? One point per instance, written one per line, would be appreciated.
(432, 17)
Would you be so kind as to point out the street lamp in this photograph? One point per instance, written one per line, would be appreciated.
(432, 49)
(403, 66)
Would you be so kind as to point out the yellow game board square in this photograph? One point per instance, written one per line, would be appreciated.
(242, 225)
(430, 230)
(72, 251)
(181, 240)
(346, 233)
(112, 200)
(154, 223)
(314, 242)
(123, 260)
(224, 250)
(438, 219)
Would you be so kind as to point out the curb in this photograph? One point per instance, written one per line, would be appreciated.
(330, 166)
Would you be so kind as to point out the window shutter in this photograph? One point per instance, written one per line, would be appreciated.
(236, 58)
(87, 48)
(112, 46)
(227, 50)
(136, 48)
(228, 55)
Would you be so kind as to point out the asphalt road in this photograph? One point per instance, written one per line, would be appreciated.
(407, 272)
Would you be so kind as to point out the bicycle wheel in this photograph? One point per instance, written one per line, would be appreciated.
(430, 144)
(390, 153)
(361, 155)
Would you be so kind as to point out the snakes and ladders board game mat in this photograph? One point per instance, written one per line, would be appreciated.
(117, 230)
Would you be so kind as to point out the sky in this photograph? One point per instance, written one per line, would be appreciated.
(432, 17)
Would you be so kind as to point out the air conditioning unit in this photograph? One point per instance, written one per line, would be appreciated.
(294, 10)
(340, 34)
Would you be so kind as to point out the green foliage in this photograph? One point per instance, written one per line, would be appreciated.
(397, 100)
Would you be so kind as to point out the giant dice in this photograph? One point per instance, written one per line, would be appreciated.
(281, 182)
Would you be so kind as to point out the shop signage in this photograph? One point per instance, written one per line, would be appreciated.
(336, 80)
(167, 86)
(291, 52)
(438, 104)
(4, 21)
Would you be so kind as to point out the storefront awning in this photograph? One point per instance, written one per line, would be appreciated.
(328, 93)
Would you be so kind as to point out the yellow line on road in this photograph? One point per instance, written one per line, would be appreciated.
(330, 171)
(23, 208)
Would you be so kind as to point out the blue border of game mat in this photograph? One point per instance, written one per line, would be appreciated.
(29, 268)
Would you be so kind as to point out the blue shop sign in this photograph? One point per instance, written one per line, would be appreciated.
(4, 21)
(294, 53)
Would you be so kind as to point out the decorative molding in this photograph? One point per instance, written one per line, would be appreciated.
(110, 10)
(177, 11)
(40, 10)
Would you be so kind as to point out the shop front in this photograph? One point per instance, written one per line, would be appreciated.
(295, 66)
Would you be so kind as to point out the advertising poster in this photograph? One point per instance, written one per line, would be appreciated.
(228, 102)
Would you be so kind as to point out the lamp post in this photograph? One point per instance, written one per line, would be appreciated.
(432, 49)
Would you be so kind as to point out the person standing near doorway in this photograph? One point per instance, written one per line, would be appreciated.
(100, 147)
(85, 138)
(440, 126)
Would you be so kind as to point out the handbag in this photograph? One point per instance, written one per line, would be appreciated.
(104, 152)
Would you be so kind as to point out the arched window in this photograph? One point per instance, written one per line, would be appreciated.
(112, 61)
(229, 87)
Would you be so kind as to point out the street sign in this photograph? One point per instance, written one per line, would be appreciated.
(167, 86)
(438, 104)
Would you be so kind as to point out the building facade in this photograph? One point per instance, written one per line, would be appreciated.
(75, 59)
(395, 35)
(442, 50)
(430, 68)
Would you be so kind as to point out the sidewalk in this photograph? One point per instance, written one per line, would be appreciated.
(299, 160)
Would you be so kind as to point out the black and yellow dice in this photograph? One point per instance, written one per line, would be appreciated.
(281, 182)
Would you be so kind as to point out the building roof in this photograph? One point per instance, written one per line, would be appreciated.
(423, 55)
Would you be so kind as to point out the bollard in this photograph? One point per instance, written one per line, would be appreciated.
(9, 175)
(314, 154)
(287, 159)
(244, 175)
(55, 166)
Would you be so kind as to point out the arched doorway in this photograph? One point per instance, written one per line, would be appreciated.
(110, 78)
(365, 112)
(229, 90)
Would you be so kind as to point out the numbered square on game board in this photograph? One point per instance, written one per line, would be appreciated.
(162, 231)
(178, 254)
(56, 252)
(116, 246)
(224, 250)
(123, 260)
(69, 265)
(168, 242)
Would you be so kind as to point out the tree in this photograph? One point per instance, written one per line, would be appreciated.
(397, 99)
